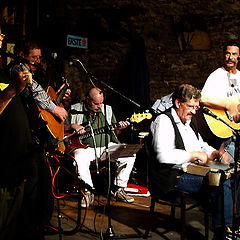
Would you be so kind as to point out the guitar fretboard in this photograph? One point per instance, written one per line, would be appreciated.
(97, 131)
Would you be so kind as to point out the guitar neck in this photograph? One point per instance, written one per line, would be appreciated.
(61, 94)
(101, 130)
(59, 99)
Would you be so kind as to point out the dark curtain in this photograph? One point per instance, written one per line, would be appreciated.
(139, 76)
(133, 83)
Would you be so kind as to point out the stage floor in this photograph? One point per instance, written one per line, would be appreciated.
(128, 221)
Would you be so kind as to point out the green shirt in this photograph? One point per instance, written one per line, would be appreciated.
(97, 120)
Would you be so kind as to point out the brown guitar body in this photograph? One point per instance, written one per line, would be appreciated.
(54, 125)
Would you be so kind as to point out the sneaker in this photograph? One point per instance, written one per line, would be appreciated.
(122, 196)
(229, 234)
(88, 201)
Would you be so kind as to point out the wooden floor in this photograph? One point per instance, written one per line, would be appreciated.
(128, 221)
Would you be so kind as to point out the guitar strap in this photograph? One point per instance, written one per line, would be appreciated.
(78, 118)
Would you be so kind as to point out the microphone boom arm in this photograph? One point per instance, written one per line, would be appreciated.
(90, 75)
(209, 113)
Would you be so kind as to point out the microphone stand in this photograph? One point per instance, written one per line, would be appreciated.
(94, 143)
(236, 140)
(92, 77)
(110, 232)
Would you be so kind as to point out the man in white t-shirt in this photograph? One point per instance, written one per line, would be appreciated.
(224, 82)
(222, 91)
(222, 88)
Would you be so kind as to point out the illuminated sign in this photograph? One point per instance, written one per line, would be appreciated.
(78, 42)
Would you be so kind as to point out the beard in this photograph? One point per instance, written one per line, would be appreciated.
(97, 110)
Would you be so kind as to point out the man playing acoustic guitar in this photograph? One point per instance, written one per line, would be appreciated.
(34, 96)
(31, 51)
(221, 93)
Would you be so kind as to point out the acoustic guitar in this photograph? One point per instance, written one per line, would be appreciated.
(54, 125)
(217, 127)
(75, 140)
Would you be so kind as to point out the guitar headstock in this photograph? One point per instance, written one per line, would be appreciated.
(1, 39)
(138, 117)
(65, 81)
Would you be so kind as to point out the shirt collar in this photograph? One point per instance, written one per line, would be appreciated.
(177, 119)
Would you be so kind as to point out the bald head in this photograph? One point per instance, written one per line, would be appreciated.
(94, 99)
(94, 93)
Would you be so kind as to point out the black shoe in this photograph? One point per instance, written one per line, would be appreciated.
(219, 234)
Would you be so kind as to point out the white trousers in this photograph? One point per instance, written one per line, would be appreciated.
(84, 156)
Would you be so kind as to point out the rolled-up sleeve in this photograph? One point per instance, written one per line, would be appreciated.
(41, 98)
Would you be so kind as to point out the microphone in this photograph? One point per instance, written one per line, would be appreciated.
(73, 111)
(210, 113)
(89, 74)
(15, 57)
(54, 55)
(72, 60)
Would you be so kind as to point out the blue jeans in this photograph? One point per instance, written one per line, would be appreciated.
(230, 147)
(222, 197)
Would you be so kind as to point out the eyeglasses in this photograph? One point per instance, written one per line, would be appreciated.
(190, 107)
(35, 58)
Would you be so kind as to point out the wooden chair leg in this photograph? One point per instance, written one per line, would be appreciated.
(146, 234)
(183, 216)
(206, 223)
(172, 216)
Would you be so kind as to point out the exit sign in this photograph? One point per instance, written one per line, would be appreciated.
(78, 42)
